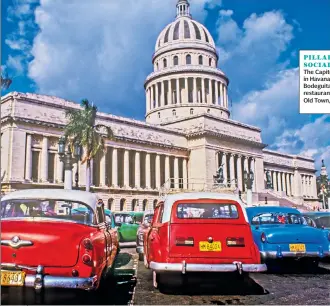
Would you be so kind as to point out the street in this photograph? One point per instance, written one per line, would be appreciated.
(216, 289)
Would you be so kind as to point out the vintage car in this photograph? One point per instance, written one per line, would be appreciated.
(144, 226)
(282, 232)
(47, 243)
(318, 219)
(200, 232)
(127, 226)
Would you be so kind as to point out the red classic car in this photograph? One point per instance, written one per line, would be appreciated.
(200, 232)
(55, 239)
(143, 228)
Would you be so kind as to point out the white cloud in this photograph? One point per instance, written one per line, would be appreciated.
(18, 44)
(100, 51)
(15, 63)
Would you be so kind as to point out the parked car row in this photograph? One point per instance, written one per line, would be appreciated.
(67, 239)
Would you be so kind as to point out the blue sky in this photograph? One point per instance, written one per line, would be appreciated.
(102, 49)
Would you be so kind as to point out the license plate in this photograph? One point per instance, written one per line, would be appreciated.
(297, 247)
(12, 278)
(205, 246)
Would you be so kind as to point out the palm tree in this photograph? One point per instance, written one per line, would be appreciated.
(83, 130)
(5, 81)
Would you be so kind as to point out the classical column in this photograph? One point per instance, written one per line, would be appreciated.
(74, 171)
(246, 164)
(103, 170)
(303, 193)
(221, 102)
(186, 90)
(185, 173)
(152, 97)
(292, 184)
(195, 91)
(225, 97)
(167, 168)
(28, 158)
(162, 96)
(255, 174)
(126, 168)
(283, 182)
(176, 172)
(137, 170)
(203, 91)
(170, 92)
(178, 93)
(309, 182)
(216, 92)
(148, 174)
(157, 94)
(232, 170)
(114, 178)
(224, 163)
(60, 169)
(239, 172)
(209, 98)
(147, 100)
(280, 188)
(288, 184)
(157, 171)
(44, 160)
(275, 181)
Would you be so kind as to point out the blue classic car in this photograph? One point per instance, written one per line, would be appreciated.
(318, 219)
(282, 232)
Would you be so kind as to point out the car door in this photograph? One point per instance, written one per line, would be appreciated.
(153, 240)
(107, 241)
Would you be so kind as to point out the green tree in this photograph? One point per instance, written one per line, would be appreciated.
(83, 130)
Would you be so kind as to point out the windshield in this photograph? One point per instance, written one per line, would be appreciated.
(279, 218)
(207, 211)
(123, 218)
(49, 209)
(148, 218)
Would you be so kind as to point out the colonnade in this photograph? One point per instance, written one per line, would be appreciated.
(308, 183)
(186, 90)
(234, 165)
(118, 167)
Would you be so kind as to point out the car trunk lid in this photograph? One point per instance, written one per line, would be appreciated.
(47, 243)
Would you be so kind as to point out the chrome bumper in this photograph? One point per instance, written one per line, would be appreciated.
(139, 249)
(279, 254)
(184, 267)
(41, 281)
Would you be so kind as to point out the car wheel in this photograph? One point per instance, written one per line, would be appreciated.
(141, 257)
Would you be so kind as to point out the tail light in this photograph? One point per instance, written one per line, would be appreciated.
(88, 244)
(263, 237)
(181, 241)
(235, 242)
(87, 259)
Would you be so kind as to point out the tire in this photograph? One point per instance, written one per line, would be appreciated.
(141, 257)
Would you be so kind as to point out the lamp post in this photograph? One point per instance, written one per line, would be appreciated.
(68, 159)
(248, 180)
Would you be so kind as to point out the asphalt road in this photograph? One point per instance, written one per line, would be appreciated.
(283, 288)
(119, 291)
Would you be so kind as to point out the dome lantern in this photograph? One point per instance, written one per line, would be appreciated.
(183, 9)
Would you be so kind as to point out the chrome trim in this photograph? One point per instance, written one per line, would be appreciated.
(17, 267)
(139, 249)
(16, 242)
(275, 254)
(180, 267)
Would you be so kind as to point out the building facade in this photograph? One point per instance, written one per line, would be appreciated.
(188, 134)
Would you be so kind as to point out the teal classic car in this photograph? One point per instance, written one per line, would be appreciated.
(127, 224)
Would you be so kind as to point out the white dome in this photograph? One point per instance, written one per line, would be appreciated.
(182, 30)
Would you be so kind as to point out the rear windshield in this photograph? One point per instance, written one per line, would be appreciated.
(207, 211)
(123, 218)
(323, 221)
(279, 218)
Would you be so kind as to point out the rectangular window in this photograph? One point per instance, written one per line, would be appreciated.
(207, 211)
(35, 166)
(51, 167)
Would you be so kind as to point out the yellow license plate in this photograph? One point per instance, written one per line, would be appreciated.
(205, 246)
(297, 247)
(12, 278)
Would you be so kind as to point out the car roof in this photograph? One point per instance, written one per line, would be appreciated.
(148, 212)
(85, 197)
(253, 211)
(317, 214)
(170, 199)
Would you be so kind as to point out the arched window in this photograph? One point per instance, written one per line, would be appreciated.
(175, 61)
(191, 111)
(200, 60)
(174, 112)
(208, 110)
(111, 204)
(157, 66)
(155, 203)
(164, 62)
(158, 115)
(122, 204)
(188, 59)
(145, 203)
(210, 62)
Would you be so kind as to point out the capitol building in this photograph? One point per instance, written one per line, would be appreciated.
(187, 134)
